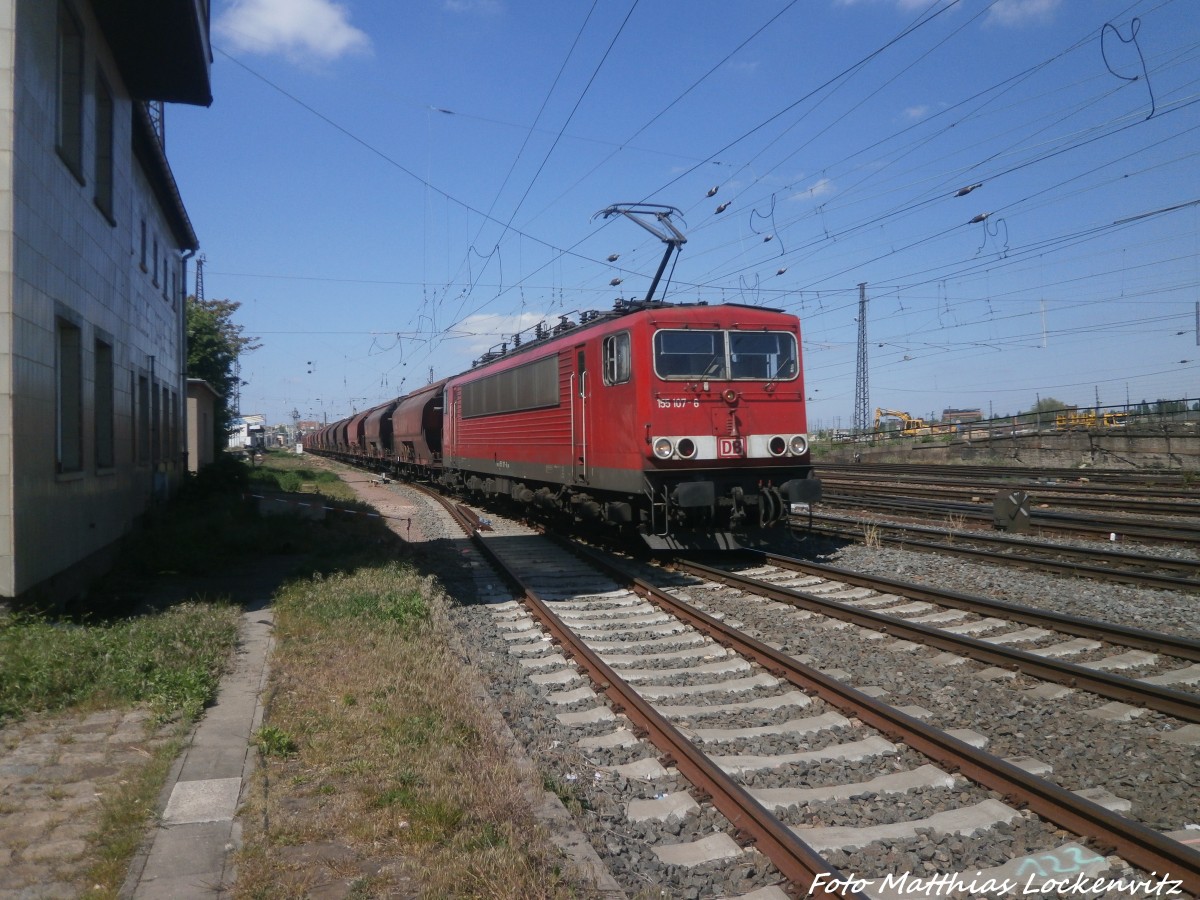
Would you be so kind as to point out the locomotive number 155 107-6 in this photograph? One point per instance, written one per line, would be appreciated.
(678, 402)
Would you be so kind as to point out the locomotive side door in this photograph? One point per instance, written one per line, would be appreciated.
(579, 417)
(449, 426)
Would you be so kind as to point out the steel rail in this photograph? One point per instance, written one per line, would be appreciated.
(1038, 518)
(1144, 847)
(1080, 626)
(1020, 560)
(1116, 557)
(1030, 484)
(1176, 478)
(1181, 705)
(1057, 497)
(796, 861)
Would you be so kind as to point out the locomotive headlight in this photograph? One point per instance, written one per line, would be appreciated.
(686, 448)
(777, 446)
(663, 448)
(798, 445)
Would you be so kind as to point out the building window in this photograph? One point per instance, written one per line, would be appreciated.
(143, 420)
(69, 398)
(154, 280)
(155, 426)
(173, 448)
(69, 125)
(105, 406)
(143, 259)
(164, 451)
(104, 147)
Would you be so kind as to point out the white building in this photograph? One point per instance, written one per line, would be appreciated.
(248, 433)
(94, 241)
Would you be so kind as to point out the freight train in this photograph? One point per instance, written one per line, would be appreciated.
(682, 423)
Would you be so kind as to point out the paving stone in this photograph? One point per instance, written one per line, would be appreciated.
(71, 848)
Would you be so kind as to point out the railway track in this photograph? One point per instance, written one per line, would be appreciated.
(1142, 569)
(947, 620)
(1044, 495)
(1150, 482)
(1040, 520)
(778, 755)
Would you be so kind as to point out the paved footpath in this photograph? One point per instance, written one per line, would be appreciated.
(191, 851)
(55, 771)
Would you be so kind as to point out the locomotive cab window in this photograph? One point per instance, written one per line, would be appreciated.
(690, 354)
(725, 355)
(617, 367)
(763, 355)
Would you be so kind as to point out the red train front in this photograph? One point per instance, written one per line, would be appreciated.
(683, 423)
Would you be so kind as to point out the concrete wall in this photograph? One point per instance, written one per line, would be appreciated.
(7, 75)
(70, 261)
(1168, 447)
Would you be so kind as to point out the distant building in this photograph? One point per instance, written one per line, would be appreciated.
(94, 240)
(248, 433)
(961, 416)
(201, 420)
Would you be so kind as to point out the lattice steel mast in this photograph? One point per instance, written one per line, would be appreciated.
(862, 401)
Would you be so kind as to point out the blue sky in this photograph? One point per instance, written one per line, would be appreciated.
(389, 189)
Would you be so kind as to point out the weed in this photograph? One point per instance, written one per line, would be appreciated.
(955, 522)
(871, 535)
(568, 793)
(272, 741)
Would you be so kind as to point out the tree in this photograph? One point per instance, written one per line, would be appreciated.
(214, 342)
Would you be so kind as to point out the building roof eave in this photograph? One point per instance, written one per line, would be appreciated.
(149, 152)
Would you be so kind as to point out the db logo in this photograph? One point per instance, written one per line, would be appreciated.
(727, 447)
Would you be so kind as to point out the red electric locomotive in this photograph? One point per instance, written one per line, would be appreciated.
(682, 423)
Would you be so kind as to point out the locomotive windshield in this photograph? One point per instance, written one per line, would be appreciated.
(723, 355)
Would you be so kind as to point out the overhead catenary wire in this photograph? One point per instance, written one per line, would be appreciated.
(802, 279)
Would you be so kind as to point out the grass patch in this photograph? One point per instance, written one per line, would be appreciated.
(291, 472)
(171, 661)
(394, 760)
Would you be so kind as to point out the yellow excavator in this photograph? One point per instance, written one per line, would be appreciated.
(910, 426)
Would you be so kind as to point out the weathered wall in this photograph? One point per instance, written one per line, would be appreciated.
(1175, 447)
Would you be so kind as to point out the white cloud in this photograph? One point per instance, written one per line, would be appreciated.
(299, 29)
(916, 112)
(819, 188)
(485, 7)
(1020, 12)
(746, 68)
(483, 331)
